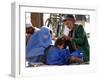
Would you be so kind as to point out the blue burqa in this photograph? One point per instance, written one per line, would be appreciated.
(38, 42)
(57, 56)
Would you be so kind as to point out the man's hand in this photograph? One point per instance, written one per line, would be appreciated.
(68, 38)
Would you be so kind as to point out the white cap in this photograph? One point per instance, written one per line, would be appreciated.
(28, 25)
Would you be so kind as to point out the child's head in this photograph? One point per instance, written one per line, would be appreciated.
(60, 43)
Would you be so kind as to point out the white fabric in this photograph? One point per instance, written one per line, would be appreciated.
(66, 31)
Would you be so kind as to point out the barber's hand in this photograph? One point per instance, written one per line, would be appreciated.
(68, 38)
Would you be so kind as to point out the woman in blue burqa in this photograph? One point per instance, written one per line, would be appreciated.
(37, 44)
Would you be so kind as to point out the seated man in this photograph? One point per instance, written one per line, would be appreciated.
(29, 31)
(57, 55)
(76, 38)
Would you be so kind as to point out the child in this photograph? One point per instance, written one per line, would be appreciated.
(57, 55)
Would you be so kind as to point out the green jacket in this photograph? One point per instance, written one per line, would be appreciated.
(80, 41)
